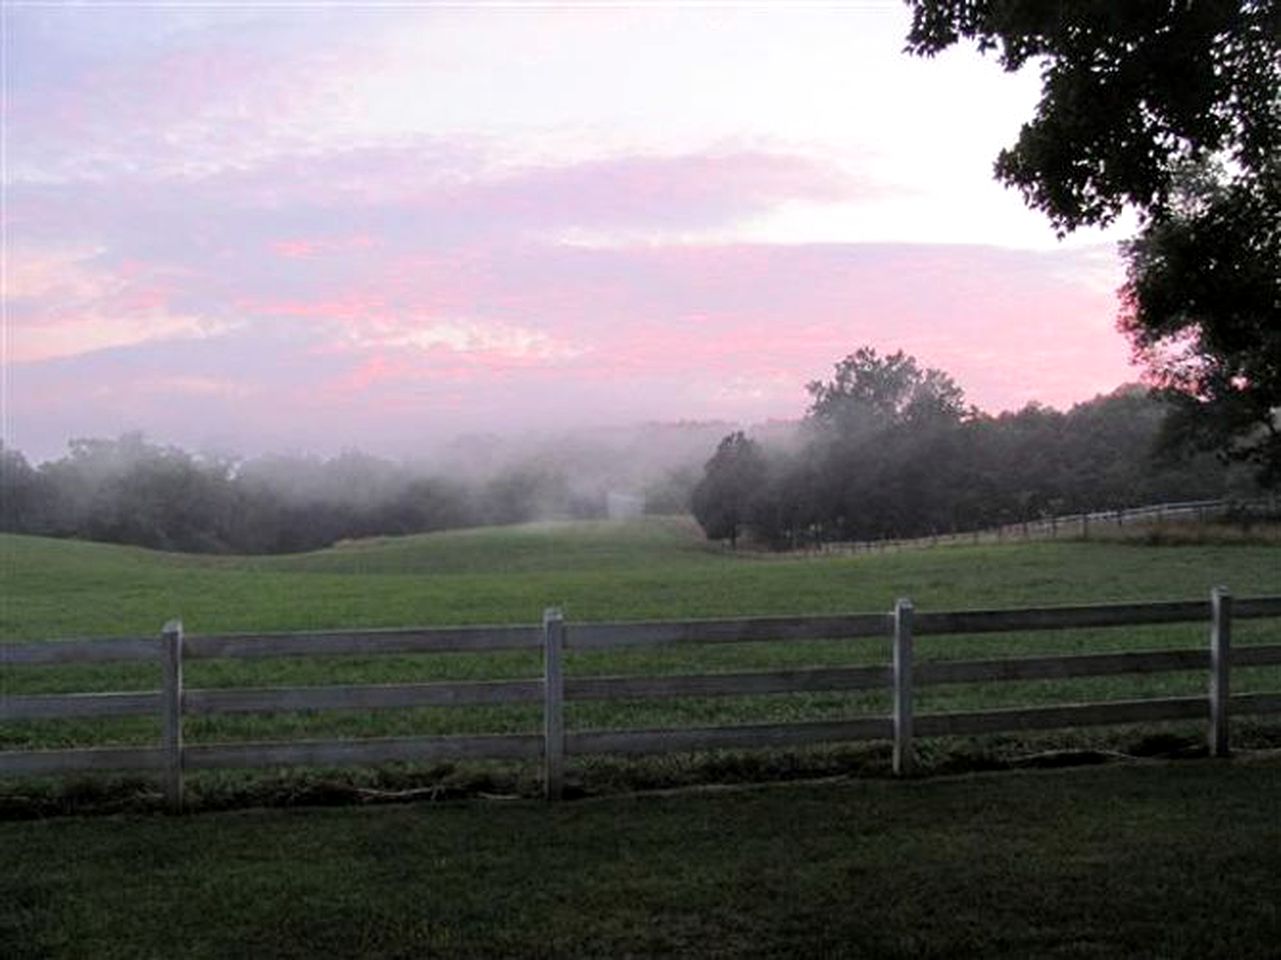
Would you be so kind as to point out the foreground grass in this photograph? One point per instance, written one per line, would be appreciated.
(1136, 861)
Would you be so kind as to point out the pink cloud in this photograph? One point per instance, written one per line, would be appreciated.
(295, 249)
(378, 369)
(94, 95)
(417, 200)
(986, 314)
(63, 302)
(678, 191)
(192, 253)
(352, 307)
(556, 336)
(306, 249)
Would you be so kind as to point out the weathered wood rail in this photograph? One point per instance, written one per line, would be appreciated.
(172, 758)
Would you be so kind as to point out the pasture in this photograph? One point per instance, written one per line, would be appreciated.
(653, 569)
(1150, 858)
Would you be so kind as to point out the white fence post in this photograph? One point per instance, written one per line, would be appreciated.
(553, 704)
(903, 686)
(171, 710)
(1220, 657)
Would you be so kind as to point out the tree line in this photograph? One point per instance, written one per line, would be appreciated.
(886, 449)
(890, 449)
(128, 490)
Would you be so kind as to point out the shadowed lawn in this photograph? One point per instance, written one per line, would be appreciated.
(1146, 861)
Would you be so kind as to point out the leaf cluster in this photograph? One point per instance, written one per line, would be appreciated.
(1130, 93)
(1172, 109)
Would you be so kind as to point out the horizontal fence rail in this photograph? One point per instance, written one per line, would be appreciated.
(1069, 715)
(172, 757)
(1059, 618)
(606, 636)
(727, 684)
(1074, 524)
(366, 642)
(369, 751)
(719, 738)
(108, 650)
(85, 760)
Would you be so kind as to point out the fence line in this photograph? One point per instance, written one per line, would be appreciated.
(172, 757)
(1074, 524)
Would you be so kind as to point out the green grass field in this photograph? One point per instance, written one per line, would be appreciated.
(597, 571)
(1150, 859)
(1165, 861)
(652, 569)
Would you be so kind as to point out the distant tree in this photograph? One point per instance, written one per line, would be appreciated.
(1173, 110)
(530, 491)
(727, 498)
(870, 392)
(26, 497)
(875, 429)
(130, 491)
(892, 450)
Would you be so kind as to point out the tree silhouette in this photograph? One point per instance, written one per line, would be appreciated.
(726, 499)
(1172, 110)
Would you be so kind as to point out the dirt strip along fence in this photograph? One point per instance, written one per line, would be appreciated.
(1082, 525)
(171, 758)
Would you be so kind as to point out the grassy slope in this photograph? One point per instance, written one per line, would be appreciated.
(1158, 861)
(1164, 861)
(652, 569)
(656, 569)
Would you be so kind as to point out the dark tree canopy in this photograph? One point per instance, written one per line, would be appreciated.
(1202, 306)
(725, 500)
(129, 490)
(1172, 109)
(890, 449)
(1130, 92)
(882, 392)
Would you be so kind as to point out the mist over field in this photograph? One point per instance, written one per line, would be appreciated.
(132, 490)
(895, 452)
(304, 275)
(811, 421)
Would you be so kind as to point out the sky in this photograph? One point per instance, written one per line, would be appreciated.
(312, 227)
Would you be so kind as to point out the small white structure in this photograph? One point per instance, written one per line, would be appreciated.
(623, 506)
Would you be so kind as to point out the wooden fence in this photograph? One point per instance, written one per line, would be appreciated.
(171, 758)
(1082, 525)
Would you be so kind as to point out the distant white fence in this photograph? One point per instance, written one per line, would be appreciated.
(172, 757)
(1072, 524)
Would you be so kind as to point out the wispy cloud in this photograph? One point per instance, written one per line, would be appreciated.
(591, 335)
(335, 227)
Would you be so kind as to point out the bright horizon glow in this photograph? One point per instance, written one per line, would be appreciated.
(379, 226)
